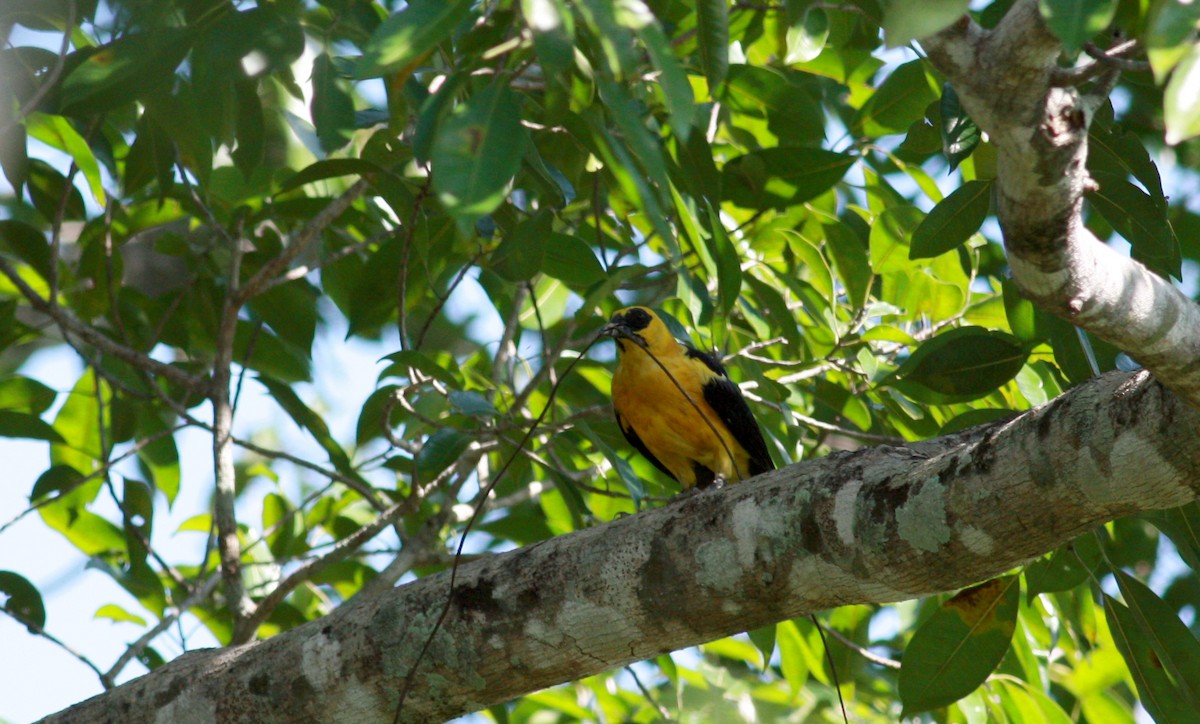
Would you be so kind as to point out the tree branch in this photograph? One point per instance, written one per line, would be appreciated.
(876, 525)
(69, 324)
(1006, 78)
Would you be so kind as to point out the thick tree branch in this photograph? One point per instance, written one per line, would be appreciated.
(880, 524)
(1006, 79)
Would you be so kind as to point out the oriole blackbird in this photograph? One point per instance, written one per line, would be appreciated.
(660, 421)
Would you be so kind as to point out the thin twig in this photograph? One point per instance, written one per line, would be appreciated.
(38, 630)
(309, 234)
(133, 450)
(866, 653)
(410, 677)
(51, 80)
(662, 710)
(69, 324)
(201, 593)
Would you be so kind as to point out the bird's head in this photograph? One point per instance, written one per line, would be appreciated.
(641, 327)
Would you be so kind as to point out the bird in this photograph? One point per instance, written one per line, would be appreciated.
(698, 428)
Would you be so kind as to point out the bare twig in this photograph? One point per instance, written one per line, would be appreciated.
(71, 325)
(866, 653)
(307, 236)
(51, 78)
(54, 640)
(201, 593)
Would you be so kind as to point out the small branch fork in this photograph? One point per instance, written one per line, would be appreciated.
(1009, 81)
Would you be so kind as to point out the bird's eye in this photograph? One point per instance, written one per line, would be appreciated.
(637, 319)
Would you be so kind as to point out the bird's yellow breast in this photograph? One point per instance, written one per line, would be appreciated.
(678, 433)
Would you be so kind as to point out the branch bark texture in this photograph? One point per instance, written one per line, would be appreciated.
(1006, 79)
(877, 525)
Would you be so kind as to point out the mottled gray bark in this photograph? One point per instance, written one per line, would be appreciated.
(1006, 79)
(880, 524)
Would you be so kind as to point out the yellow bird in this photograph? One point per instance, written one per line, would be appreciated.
(660, 421)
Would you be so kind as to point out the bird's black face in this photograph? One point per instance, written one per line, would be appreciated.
(626, 324)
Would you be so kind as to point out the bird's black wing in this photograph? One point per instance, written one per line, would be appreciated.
(632, 436)
(726, 399)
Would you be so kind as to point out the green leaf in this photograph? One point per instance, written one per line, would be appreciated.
(78, 422)
(370, 417)
(441, 450)
(251, 127)
(712, 23)
(907, 20)
(24, 394)
(1181, 102)
(286, 527)
(849, 255)
(57, 132)
(27, 244)
(1064, 569)
(1176, 646)
(672, 80)
(116, 614)
(264, 351)
(570, 260)
(47, 188)
(1182, 526)
(890, 238)
(959, 646)
(23, 601)
(15, 424)
(791, 655)
(1115, 150)
(433, 109)
(332, 110)
(151, 158)
(1136, 216)
(1170, 32)
(806, 39)
(960, 135)
(61, 479)
(477, 151)
(472, 404)
(553, 32)
(897, 103)
(764, 640)
(159, 459)
(782, 177)
(965, 362)
(125, 69)
(329, 168)
(408, 35)
(307, 419)
(791, 111)
(728, 261)
(91, 534)
(1162, 698)
(1074, 22)
(952, 221)
(520, 255)
(291, 311)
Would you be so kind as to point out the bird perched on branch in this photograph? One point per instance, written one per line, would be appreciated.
(678, 407)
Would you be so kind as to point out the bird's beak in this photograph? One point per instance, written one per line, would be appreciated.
(619, 330)
(615, 329)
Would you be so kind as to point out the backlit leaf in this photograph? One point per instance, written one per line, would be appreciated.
(409, 34)
(477, 151)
